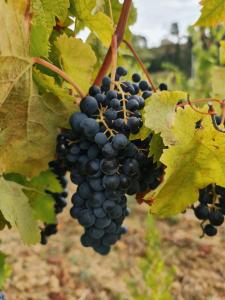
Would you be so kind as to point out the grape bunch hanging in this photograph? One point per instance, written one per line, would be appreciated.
(103, 163)
(210, 209)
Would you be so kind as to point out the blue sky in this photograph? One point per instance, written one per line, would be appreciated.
(155, 17)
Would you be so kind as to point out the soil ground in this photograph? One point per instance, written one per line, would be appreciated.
(64, 270)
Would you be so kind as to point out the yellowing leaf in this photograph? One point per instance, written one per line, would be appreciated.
(14, 39)
(196, 161)
(77, 60)
(100, 24)
(213, 13)
(49, 85)
(15, 207)
(218, 79)
(43, 21)
(159, 113)
(96, 23)
(28, 122)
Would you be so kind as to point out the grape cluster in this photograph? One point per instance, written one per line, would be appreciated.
(59, 199)
(2, 297)
(103, 163)
(211, 208)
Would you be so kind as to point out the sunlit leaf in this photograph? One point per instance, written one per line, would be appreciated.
(77, 60)
(213, 13)
(16, 209)
(196, 161)
(159, 113)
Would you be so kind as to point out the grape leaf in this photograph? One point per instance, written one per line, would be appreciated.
(14, 37)
(43, 21)
(3, 222)
(16, 209)
(222, 52)
(49, 85)
(218, 78)
(77, 59)
(28, 122)
(213, 13)
(83, 11)
(156, 147)
(41, 202)
(196, 161)
(5, 269)
(159, 113)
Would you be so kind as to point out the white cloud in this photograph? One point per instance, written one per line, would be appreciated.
(155, 17)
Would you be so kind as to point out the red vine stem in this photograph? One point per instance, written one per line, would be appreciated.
(55, 69)
(114, 59)
(196, 101)
(141, 64)
(119, 32)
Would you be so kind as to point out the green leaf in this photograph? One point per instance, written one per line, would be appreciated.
(49, 85)
(41, 202)
(156, 147)
(77, 60)
(83, 11)
(159, 113)
(43, 21)
(218, 77)
(213, 13)
(16, 209)
(196, 161)
(222, 52)
(5, 270)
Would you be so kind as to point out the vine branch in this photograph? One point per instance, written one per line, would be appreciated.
(141, 64)
(119, 32)
(58, 71)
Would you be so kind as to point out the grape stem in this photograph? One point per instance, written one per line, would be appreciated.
(124, 101)
(131, 48)
(119, 32)
(111, 11)
(114, 60)
(101, 119)
(40, 61)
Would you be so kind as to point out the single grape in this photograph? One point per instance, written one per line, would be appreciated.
(121, 71)
(143, 85)
(216, 218)
(89, 105)
(136, 77)
(163, 87)
(210, 230)
(101, 139)
(201, 212)
(119, 142)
